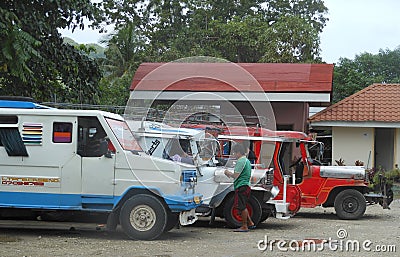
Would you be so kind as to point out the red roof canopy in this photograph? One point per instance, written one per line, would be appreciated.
(272, 77)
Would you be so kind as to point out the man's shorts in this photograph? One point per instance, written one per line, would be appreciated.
(242, 196)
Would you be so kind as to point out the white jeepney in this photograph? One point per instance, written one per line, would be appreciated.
(166, 142)
(62, 161)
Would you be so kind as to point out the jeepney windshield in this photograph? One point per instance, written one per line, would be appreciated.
(208, 148)
(124, 135)
(315, 150)
(266, 154)
(178, 149)
(308, 151)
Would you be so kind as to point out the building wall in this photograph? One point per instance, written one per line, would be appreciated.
(352, 144)
(291, 114)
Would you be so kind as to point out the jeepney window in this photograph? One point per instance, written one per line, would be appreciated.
(62, 132)
(307, 150)
(285, 157)
(226, 147)
(10, 138)
(124, 135)
(8, 119)
(207, 148)
(92, 138)
(266, 154)
(178, 150)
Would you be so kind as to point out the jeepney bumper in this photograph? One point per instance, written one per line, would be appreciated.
(281, 209)
(186, 206)
(187, 217)
(181, 203)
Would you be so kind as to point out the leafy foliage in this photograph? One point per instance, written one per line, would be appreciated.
(240, 31)
(376, 177)
(18, 46)
(123, 56)
(34, 60)
(351, 76)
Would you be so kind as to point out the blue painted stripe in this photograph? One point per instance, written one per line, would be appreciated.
(40, 200)
(178, 203)
(100, 203)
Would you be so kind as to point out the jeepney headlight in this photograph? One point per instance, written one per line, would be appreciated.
(188, 180)
(188, 176)
(197, 199)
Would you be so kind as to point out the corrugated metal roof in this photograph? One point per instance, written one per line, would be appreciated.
(272, 77)
(378, 102)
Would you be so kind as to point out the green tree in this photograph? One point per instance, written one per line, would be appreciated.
(240, 31)
(350, 76)
(18, 46)
(251, 39)
(124, 54)
(291, 39)
(35, 62)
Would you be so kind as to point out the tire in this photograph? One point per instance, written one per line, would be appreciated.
(112, 222)
(390, 196)
(232, 216)
(264, 216)
(173, 219)
(350, 204)
(143, 217)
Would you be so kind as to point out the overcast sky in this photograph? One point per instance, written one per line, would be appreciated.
(354, 27)
(358, 26)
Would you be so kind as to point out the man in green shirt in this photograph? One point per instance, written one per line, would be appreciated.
(241, 184)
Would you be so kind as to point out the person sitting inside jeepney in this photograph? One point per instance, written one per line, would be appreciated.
(96, 145)
(179, 153)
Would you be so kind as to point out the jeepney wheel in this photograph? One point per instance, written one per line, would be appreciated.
(350, 204)
(232, 215)
(265, 215)
(389, 200)
(143, 217)
(173, 219)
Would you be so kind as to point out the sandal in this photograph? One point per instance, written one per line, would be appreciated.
(240, 230)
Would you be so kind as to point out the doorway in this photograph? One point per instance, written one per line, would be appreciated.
(384, 148)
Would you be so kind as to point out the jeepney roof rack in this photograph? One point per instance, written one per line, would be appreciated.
(20, 102)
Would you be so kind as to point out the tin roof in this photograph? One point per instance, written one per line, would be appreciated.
(272, 77)
(378, 102)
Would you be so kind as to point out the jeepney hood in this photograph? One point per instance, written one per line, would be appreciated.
(161, 176)
(349, 172)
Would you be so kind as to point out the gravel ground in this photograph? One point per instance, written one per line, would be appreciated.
(378, 229)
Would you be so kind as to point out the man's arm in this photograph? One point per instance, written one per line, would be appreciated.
(231, 174)
(237, 170)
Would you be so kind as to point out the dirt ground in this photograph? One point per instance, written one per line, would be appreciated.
(376, 234)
